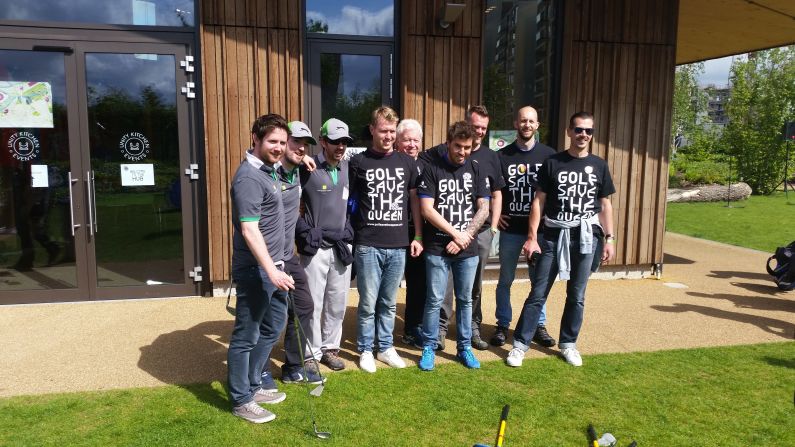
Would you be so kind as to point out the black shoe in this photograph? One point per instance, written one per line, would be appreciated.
(411, 340)
(440, 343)
(478, 343)
(500, 336)
(542, 337)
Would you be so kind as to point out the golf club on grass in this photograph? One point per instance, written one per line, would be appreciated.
(317, 391)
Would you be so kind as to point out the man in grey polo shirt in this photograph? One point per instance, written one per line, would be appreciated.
(301, 304)
(257, 268)
(324, 240)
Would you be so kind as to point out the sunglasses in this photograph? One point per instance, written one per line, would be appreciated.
(337, 142)
(579, 130)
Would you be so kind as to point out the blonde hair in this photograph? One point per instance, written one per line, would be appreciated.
(384, 112)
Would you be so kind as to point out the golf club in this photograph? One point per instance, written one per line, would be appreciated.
(317, 391)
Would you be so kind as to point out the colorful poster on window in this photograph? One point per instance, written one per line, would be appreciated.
(25, 104)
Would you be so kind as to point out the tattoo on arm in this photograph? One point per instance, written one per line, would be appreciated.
(480, 216)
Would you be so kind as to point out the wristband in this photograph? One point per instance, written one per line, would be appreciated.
(494, 230)
(418, 238)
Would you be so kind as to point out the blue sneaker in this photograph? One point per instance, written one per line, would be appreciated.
(268, 384)
(468, 358)
(427, 359)
(295, 374)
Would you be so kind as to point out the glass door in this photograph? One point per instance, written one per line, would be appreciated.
(40, 196)
(94, 199)
(136, 148)
(347, 81)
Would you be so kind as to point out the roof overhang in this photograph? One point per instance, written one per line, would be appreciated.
(709, 29)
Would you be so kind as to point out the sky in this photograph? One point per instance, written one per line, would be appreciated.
(716, 72)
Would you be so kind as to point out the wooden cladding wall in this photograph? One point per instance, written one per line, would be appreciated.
(618, 63)
(440, 70)
(251, 65)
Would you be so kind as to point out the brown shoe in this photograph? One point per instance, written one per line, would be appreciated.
(332, 360)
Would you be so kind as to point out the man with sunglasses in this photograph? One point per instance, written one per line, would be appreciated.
(572, 194)
(324, 241)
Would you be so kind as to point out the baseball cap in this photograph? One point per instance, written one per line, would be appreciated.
(300, 130)
(334, 129)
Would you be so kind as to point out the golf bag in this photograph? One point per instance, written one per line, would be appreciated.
(784, 271)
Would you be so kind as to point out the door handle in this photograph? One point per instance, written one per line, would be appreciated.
(72, 204)
(92, 209)
(94, 202)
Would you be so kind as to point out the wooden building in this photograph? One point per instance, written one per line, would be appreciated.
(152, 105)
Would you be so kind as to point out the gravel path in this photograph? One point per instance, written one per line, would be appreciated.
(710, 294)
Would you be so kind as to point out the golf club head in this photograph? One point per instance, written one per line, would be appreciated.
(317, 391)
(320, 434)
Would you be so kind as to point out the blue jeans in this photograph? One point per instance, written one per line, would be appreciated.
(260, 316)
(510, 249)
(464, 271)
(544, 276)
(378, 274)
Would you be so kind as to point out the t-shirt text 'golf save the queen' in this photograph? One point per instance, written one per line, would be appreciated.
(380, 185)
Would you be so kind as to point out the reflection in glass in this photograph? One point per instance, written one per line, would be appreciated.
(518, 50)
(354, 17)
(350, 89)
(36, 245)
(113, 12)
(133, 133)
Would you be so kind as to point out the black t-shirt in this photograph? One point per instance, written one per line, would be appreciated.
(488, 164)
(574, 186)
(380, 187)
(455, 190)
(520, 169)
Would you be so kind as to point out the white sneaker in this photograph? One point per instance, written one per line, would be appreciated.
(572, 356)
(391, 358)
(367, 362)
(515, 357)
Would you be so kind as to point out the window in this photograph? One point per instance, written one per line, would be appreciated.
(351, 17)
(518, 40)
(112, 12)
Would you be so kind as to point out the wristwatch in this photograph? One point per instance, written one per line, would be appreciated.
(610, 238)
(494, 230)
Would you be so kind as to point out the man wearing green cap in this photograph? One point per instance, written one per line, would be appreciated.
(324, 237)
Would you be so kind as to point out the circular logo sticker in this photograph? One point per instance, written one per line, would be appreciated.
(23, 146)
(134, 146)
(588, 169)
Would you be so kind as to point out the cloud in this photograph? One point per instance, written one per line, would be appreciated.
(353, 20)
(716, 71)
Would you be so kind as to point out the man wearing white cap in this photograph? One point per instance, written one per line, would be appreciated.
(324, 237)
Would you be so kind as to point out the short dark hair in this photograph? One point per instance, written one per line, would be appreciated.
(460, 130)
(479, 109)
(579, 115)
(268, 123)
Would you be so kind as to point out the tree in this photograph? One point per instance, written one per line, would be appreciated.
(496, 92)
(762, 100)
(688, 104)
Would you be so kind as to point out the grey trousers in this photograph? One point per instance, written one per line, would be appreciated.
(329, 281)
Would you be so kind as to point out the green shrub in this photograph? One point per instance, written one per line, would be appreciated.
(686, 172)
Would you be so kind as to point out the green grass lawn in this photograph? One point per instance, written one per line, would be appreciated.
(761, 222)
(732, 396)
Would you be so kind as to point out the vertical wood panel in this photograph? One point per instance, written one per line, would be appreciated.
(251, 65)
(618, 63)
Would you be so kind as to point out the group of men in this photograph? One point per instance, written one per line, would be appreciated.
(394, 210)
